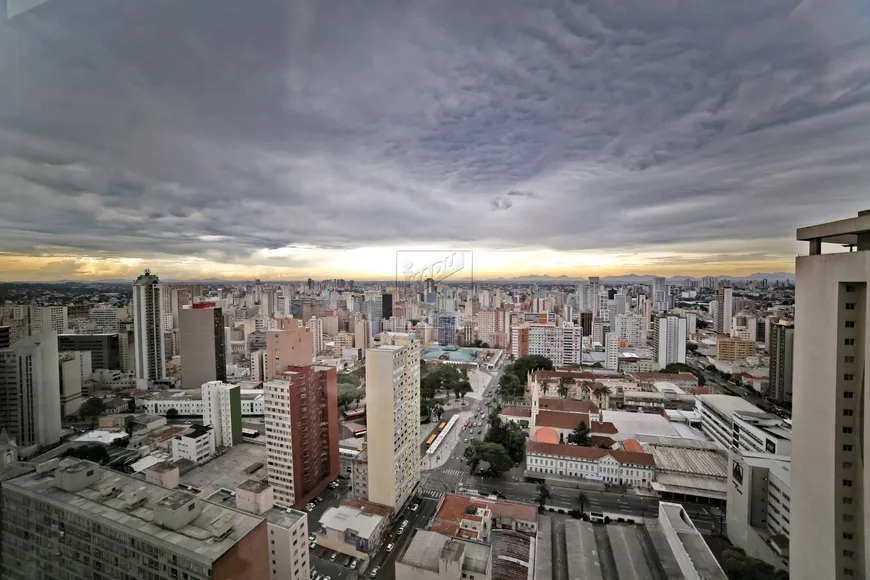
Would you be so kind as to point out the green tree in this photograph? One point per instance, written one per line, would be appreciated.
(484, 345)
(347, 392)
(437, 410)
(462, 387)
(425, 408)
(543, 495)
(580, 435)
(600, 393)
(564, 387)
(507, 434)
(691, 346)
(739, 566)
(493, 454)
(533, 362)
(94, 407)
(597, 365)
(510, 386)
(95, 452)
(172, 413)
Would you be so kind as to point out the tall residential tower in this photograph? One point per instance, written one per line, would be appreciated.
(148, 328)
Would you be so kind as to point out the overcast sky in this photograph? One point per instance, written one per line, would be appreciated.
(293, 138)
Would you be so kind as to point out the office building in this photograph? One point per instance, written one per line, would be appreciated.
(315, 325)
(584, 319)
(779, 382)
(203, 345)
(493, 327)
(829, 513)
(105, 317)
(669, 341)
(717, 417)
(355, 529)
(148, 328)
(432, 555)
(758, 432)
(30, 391)
(105, 349)
(5, 337)
(734, 348)
(393, 419)
(387, 306)
(74, 372)
(75, 519)
(611, 351)
(447, 329)
(759, 506)
(723, 311)
(49, 318)
(361, 337)
(660, 295)
(592, 302)
(301, 432)
(293, 345)
(222, 411)
(196, 444)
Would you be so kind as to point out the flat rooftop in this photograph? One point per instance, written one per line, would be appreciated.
(228, 470)
(728, 404)
(194, 539)
(631, 424)
(426, 548)
(350, 518)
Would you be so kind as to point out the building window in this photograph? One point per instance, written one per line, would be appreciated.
(847, 536)
(849, 359)
(848, 377)
(849, 553)
(850, 287)
(848, 394)
(847, 465)
(847, 517)
(847, 500)
(850, 342)
(848, 572)
(847, 412)
(847, 429)
(850, 324)
(847, 483)
(850, 306)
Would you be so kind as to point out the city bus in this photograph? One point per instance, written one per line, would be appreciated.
(359, 432)
(442, 425)
(351, 415)
(431, 440)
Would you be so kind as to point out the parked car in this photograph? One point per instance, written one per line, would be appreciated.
(318, 576)
(312, 545)
(375, 571)
(347, 561)
(405, 524)
(353, 564)
(390, 547)
(311, 537)
(465, 440)
(322, 553)
(317, 500)
(414, 507)
(334, 557)
(313, 573)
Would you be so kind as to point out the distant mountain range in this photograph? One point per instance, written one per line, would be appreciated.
(541, 279)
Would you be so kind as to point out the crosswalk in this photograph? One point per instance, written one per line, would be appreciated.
(453, 472)
(431, 493)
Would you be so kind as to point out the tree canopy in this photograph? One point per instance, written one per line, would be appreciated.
(580, 435)
(94, 407)
(507, 434)
(493, 454)
(533, 362)
(739, 566)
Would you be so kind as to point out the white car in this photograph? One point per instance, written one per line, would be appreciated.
(390, 547)
(414, 507)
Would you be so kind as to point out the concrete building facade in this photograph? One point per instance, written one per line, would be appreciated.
(781, 348)
(302, 433)
(830, 484)
(203, 346)
(148, 330)
(105, 349)
(222, 411)
(669, 341)
(293, 345)
(393, 409)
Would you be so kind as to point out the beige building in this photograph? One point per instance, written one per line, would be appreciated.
(435, 556)
(829, 524)
(362, 333)
(734, 348)
(293, 345)
(74, 372)
(355, 528)
(343, 340)
(393, 408)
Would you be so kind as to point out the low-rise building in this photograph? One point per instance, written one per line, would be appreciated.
(434, 556)
(761, 433)
(356, 528)
(196, 445)
(734, 348)
(717, 417)
(606, 465)
(477, 517)
(189, 403)
(759, 505)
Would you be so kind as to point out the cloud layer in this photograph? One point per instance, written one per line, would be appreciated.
(225, 132)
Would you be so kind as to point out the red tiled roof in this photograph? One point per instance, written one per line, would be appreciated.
(546, 435)
(591, 453)
(510, 509)
(560, 419)
(446, 528)
(604, 428)
(568, 405)
(538, 376)
(515, 412)
(601, 441)
(453, 508)
(632, 445)
(667, 377)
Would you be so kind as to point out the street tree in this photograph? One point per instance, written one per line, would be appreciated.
(532, 362)
(564, 387)
(580, 435)
(172, 413)
(543, 495)
(582, 500)
(437, 410)
(510, 386)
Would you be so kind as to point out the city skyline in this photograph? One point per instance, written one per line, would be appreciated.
(313, 139)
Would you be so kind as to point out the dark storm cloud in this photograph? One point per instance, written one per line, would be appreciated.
(154, 127)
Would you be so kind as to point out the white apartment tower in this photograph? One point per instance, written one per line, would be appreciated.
(393, 408)
(315, 325)
(222, 411)
(611, 351)
(592, 296)
(631, 327)
(148, 328)
(830, 471)
(48, 319)
(723, 313)
(660, 295)
(669, 341)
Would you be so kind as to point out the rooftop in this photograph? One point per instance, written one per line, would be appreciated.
(844, 232)
(426, 548)
(254, 485)
(591, 453)
(690, 461)
(350, 518)
(512, 555)
(567, 405)
(673, 516)
(194, 538)
(634, 424)
(728, 404)
(228, 470)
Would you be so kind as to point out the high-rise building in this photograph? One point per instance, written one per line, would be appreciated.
(48, 318)
(611, 351)
(315, 325)
(630, 327)
(446, 329)
(361, 337)
(74, 371)
(660, 295)
(779, 382)
(222, 411)
(722, 315)
(561, 344)
(148, 328)
(669, 340)
(5, 337)
(293, 345)
(584, 318)
(592, 296)
(301, 411)
(105, 317)
(734, 348)
(105, 349)
(30, 390)
(387, 306)
(101, 523)
(202, 344)
(393, 419)
(829, 478)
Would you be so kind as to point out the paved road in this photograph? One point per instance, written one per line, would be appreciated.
(416, 519)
